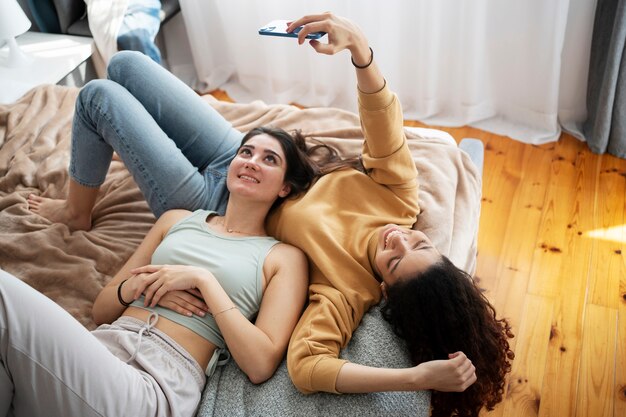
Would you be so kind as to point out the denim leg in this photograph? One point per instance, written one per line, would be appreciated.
(109, 118)
(139, 28)
(201, 133)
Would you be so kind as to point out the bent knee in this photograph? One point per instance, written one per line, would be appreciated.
(122, 64)
(95, 91)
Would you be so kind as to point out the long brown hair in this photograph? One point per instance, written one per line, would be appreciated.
(328, 159)
(441, 311)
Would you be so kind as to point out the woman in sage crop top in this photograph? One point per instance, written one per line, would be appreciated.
(147, 359)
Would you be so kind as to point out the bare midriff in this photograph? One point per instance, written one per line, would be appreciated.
(197, 346)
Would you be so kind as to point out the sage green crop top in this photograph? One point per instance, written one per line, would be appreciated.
(236, 262)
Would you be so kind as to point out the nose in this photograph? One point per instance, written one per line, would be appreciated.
(398, 242)
(251, 164)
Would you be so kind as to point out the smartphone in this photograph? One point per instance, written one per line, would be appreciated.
(279, 28)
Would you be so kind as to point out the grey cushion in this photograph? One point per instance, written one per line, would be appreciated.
(80, 28)
(69, 11)
(230, 393)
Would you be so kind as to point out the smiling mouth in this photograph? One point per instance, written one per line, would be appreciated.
(249, 179)
(391, 233)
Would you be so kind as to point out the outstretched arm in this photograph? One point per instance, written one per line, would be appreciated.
(386, 155)
(452, 375)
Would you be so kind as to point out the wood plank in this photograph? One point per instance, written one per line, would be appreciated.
(559, 210)
(575, 212)
(523, 394)
(609, 232)
(597, 371)
(620, 356)
(515, 264)
(516, 256)
(501, 178)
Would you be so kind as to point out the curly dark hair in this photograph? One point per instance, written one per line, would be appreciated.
(301, 171)
(441, 311)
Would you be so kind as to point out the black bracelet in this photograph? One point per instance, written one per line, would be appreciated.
(119, 295)
(366, 65)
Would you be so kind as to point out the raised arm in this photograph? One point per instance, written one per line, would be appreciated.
(386, 155)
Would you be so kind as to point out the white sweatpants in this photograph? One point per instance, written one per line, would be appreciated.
(50, 365)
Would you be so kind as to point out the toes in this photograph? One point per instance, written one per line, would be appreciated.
(35, 198)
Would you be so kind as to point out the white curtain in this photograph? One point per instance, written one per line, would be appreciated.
(516, 68)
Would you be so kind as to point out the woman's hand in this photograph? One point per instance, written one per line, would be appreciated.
(342, 34)
(186, 303)
(452, 375)
(154, 281)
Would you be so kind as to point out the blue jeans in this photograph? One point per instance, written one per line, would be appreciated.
(139, 28)
(175, 145)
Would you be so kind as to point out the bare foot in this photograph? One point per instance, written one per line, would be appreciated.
(58, 211)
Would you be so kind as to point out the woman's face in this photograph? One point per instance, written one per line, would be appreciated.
(258, 170)
(403, 252)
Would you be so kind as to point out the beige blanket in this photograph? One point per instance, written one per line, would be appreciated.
(71, 268)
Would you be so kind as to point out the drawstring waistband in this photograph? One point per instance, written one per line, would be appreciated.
(148, 325)
(220, 357)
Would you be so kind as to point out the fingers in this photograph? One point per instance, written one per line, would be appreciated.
(322, 48)
(196, 293)
(455, 354)
(306, 19)
(146, 269)
(192, 300)
(160, 292)
(140, 282)
(184, 303)
(151, 292)
(311, 28)
(465, 370)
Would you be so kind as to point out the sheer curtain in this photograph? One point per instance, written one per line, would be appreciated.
(514, 68)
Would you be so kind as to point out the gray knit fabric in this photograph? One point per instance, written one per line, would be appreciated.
(230, 393)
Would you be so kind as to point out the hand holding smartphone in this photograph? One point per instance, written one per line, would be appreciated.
(279, 28)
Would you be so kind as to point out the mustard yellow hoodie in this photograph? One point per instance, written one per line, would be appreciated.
(336, 223)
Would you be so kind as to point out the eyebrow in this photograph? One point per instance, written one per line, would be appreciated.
(265, 150)
(415, 247)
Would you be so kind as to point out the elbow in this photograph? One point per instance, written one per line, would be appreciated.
(300, 383)
(260, 374)
(259, 377)
(299, 377)
(98, 314)
(97, 318)
(264, 366)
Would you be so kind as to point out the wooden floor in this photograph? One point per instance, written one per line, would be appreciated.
(552, 257)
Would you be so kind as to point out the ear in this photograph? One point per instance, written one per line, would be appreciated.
(284, 192)
(383, 289)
